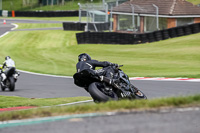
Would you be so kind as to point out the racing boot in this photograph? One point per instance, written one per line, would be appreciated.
(3, 77)
(2, 84)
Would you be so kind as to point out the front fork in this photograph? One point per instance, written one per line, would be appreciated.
(133, 88)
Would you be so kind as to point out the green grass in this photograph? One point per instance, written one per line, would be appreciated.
(32, 44)
(122, 105)
(73, 19)
(37, 25)
(14, 101)
(55, 52)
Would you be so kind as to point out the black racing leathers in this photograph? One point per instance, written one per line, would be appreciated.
(92, 64)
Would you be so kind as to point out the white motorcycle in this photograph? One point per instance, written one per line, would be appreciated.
(9, 82)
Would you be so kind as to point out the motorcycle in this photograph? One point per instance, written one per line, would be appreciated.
(11, 78)
(102, 92)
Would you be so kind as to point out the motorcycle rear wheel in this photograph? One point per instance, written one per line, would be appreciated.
(11, 84)
(95, 90)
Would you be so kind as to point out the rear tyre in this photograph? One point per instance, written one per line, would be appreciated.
(96, 91)
(11, 85)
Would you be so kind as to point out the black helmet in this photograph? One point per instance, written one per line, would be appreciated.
(7, 57)
(84, 57)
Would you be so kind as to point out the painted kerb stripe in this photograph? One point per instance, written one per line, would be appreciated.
(46, 119)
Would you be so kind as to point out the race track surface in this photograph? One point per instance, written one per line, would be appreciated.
(37, 86)
(5, 27)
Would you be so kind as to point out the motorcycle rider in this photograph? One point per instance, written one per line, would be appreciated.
(8, 63)
(105, 74)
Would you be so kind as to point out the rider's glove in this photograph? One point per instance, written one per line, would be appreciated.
(116, 65)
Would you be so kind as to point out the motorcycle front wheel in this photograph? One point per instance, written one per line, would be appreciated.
(98, 93)
(140, 95)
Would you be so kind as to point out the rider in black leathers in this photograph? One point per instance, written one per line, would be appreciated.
(105, 74)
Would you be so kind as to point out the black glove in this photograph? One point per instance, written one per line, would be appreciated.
(116, 65)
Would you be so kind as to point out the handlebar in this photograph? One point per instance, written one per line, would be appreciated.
(118, 66)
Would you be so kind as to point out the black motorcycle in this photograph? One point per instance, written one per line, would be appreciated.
(11, 78)
(102, 92)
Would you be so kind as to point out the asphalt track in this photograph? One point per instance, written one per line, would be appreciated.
(5, 27)
(37, 86)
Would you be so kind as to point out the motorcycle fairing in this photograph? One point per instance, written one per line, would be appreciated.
(84, 78)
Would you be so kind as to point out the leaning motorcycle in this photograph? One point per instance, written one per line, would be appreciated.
(102, 92)
(11, 78)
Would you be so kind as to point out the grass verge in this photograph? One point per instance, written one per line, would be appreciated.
(55, 52)
(103, 107)
(34, 26)
(13, 101)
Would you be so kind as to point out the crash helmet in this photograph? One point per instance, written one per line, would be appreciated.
(84, 57)
(7, 57)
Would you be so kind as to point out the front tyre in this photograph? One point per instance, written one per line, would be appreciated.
(139, 95)
(98, 93)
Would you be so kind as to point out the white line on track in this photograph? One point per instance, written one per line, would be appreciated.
(45, 74)
(59, 105)
(16, 26)
(4, 34)
(73, 103)
(131, 78)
